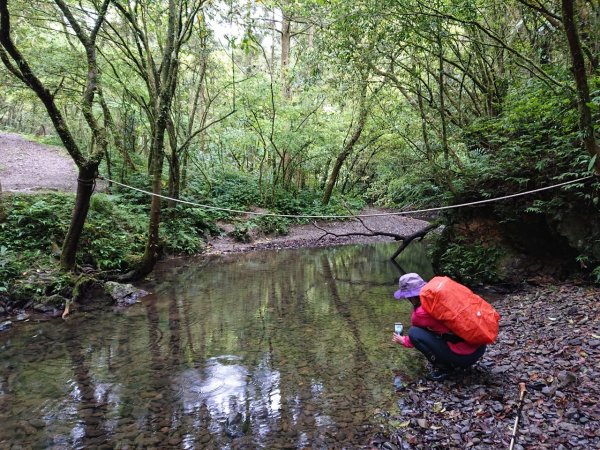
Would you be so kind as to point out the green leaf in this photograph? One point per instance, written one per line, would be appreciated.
(591, 163)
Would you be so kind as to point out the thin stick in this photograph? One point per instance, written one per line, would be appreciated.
(522, 392)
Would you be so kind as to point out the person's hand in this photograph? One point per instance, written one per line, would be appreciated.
(399, 339)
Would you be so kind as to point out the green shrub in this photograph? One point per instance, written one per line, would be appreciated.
(241, 232)
(102, 203)
(111, 235)
(185, 228)
(9, 269)
(34, 228)
(272, 225)
(470, 262)
(235, 190)
(596, 275)
(36, 221)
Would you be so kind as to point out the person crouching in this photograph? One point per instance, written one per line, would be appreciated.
(444, 350)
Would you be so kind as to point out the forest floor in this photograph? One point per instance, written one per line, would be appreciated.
(549, 339)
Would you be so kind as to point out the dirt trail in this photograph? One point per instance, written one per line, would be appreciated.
(27, 166)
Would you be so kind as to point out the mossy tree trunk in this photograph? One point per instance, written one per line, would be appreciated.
(160, 74)
(586, 122)
(20, 68)
(348, 147)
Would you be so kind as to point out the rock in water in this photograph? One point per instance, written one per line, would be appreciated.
(234, 425)
(124, 294)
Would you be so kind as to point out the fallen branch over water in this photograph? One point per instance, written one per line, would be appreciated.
(406, 239)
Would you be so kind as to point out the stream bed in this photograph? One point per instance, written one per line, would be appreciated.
(273, 349)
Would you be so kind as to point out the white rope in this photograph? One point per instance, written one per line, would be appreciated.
(306, 216)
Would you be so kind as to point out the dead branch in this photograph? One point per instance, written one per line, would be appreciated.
(417, 235)
(406, 239)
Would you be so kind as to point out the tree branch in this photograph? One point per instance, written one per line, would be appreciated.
(406, 239)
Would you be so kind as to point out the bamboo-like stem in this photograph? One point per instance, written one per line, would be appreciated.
(522, 392)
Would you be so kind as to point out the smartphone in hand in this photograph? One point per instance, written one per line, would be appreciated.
(398, 328)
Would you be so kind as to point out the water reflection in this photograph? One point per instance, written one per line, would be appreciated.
(267, 350)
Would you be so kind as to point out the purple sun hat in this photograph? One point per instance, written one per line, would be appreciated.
(410, 286)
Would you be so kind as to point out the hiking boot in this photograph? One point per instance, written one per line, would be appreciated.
(437, 374)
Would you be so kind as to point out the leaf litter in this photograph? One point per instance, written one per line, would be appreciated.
(549, 339)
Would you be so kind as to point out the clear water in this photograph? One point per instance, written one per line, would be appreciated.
(278, 349)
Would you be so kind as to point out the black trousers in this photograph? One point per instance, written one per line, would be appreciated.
(436, 350)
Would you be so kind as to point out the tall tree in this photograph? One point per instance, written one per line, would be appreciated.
(19, 66)
(586, 123)
(361, 120)
(156, 61)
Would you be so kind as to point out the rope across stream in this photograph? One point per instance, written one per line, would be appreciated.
(359, 216)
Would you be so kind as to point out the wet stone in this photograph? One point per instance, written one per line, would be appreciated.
(43, 308)
(204, 438)
(92, 421)
(27, 427)
(104, 445)
(37, 423)
(86, 412)
(93, 432)
(174, 441)
(7, 324)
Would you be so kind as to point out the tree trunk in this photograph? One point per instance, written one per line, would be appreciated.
(442, 104)
(152, 250)
(286, 40)
(174, 165)
(161, 101)
(323, 181)
(586, 123)
(339, 162)
(85, 188)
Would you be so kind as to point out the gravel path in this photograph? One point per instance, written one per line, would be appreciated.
(27, 166)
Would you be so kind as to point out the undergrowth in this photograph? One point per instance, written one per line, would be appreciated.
(114, 235)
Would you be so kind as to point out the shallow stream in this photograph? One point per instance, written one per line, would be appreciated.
(274, 349)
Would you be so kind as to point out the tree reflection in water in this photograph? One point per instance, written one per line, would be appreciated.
(265, 350)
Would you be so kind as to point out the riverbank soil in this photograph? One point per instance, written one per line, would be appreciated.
(323, 234)
(550, 340)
